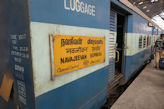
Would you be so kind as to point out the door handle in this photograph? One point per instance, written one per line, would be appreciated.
(118, 56)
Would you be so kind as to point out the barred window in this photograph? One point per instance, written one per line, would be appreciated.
(140, 42)
(144, 42)
(148, 42)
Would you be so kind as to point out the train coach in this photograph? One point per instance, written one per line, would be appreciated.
(64, 54)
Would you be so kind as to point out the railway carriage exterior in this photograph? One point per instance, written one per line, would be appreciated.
(43, 37)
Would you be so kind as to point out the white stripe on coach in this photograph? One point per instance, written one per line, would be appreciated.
(41, 57)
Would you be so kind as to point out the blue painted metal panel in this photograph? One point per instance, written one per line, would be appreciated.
(86, 92)
(153, 30)
(133, 65)
(140, 25)
(129, 28)
(111, 69)
(5, 50)
(97, 102)
(113, 21)
(53, 11)
(14, 15)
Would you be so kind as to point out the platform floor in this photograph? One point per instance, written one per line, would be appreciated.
(146, 91)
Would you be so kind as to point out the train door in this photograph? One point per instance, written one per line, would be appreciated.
(119, 60)
(120, 25)
(117, 31)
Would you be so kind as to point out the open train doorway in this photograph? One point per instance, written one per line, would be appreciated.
(119, 25)
(119, 60)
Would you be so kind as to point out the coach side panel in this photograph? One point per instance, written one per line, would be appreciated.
(81, 88)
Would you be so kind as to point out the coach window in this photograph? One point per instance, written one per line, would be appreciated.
(144, 42)
(148, 42)
(140, 42)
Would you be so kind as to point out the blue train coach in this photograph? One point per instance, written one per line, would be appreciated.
(63, 54)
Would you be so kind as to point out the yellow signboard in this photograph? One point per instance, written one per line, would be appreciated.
(6, 87)
(71, 53)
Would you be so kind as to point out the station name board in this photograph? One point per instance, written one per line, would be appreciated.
(71, 53)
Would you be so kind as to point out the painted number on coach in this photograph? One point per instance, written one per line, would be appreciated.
(79, 7)
(75, 52)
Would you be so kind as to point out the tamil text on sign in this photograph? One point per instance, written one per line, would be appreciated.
(75, 52)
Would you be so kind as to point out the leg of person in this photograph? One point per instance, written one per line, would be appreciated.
(161, 54)
(156, 59)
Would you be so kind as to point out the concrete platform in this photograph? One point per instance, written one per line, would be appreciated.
(146, 91)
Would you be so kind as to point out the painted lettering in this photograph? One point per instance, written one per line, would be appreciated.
(71, 41)
(74, 58)
(65, 5)
(80, 7)
(72, 5)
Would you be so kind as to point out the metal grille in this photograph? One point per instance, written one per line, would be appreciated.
(144, 42)
(140, 42)
(111, 52)
(112, 39)
(112, 21)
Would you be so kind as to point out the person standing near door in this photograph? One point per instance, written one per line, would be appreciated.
(159, 49)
